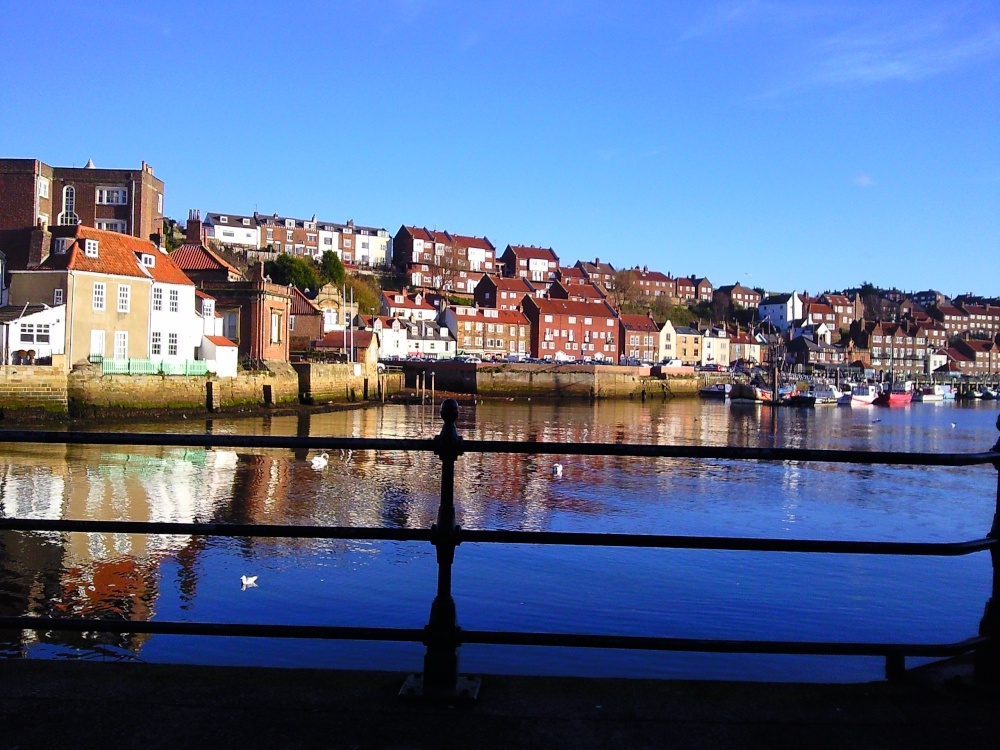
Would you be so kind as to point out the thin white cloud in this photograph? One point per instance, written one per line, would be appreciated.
(909, 53)
(864, 180)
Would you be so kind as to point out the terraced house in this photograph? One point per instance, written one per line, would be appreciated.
(432, 259)
(537, 264)
(569, 330)
(488, 332)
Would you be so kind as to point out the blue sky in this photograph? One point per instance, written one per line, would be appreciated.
(788, 145)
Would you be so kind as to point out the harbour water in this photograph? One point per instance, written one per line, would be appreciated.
(556, 589)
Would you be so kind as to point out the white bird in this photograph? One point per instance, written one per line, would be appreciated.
(557, 470)
(953, 425)
(248, 582)
(319, 462)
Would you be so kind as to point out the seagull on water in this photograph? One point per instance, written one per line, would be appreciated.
(557, 470)
(248, 582)
(319, 462)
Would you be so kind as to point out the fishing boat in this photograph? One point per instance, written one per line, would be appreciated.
(826, 394)
(932, 393)
(988, 393)
(716, 390)
(858, 394)
(748, 393)
(899, 393)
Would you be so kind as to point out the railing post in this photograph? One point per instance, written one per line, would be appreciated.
(442, 635)
(988, 656)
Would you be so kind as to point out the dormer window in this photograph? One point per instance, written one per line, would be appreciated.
(61, 245)
(223, 219)
(148, 260)
(246, 222)
(208, 308)
(90, 248)
(290, 223)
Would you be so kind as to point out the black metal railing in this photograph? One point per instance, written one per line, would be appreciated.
(442, 635)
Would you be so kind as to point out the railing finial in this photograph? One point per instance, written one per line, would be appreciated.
(449, 412)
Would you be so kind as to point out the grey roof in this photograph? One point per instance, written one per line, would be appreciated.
(14, 312)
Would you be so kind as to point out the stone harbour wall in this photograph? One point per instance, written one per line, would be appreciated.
(34, 388)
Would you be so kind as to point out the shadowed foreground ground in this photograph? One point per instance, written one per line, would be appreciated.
(59, 704)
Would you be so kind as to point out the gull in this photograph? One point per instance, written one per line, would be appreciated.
(248, 582)
(319, 462)
(953, 425)
(557, 470)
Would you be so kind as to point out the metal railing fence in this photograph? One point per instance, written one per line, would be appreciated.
(442, 635)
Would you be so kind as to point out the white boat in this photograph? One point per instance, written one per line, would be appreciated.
(860, 394)
(826, 393)
(932, 393)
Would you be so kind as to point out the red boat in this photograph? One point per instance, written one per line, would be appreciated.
(898, 394)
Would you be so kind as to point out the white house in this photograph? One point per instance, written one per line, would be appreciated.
(780, 309)
(32, 333)
(232, 229)
(221, 356)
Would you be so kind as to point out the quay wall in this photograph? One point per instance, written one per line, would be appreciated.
(326, 382)
(575, 381)
(41, 388)
(89, 391)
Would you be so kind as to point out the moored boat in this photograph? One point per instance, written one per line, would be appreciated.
(748, 393)
(716, 390)
(859, 394)
(899, 393)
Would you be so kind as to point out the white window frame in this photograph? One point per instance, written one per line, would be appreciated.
(99, 299)
(156, 344)
(172, 344)
(90, 248)
(111, 225)
(57, 297)
(157, 299)
(121, 345)
(124, 298)
(112, 196)
(174, 300)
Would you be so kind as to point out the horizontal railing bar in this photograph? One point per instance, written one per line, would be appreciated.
(723, 646)
(473, 536)
(496, 446)
(739, 544)
(500, 638)
(201, 440)
(217, 529)
(731, 452)
(157, 627)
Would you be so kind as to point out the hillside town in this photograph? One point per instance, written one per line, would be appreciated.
(94, 274)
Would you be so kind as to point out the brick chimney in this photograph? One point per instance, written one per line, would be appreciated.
(39, 246)
(193, 236)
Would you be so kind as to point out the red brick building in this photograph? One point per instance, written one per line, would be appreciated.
(503, 293)
(639, 335)
(129, 201)
(432, 259)
(537, 264)
(565, 329)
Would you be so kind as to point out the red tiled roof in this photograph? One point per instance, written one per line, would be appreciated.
(571, 307)
(191, 257)
(220, 341)
(463, 240)
(638, 323)
(526, 251)
(302, 305)
(117, 253)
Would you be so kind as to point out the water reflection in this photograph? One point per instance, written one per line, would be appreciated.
(182, 577)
